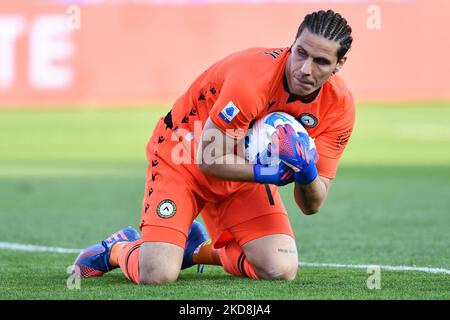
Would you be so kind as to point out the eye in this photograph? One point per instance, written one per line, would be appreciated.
(322, 62)
(302, 53)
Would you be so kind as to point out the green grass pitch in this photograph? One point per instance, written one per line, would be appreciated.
(69, 177)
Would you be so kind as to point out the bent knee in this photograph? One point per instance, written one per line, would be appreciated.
(277, 271)
(157, 275)
(159, 262)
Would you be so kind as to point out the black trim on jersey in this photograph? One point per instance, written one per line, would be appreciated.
(270, 105)
(292, 97)
(168, 120)
(269, 195)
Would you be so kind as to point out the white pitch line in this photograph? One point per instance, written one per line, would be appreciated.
(365, 266)
(36, 248)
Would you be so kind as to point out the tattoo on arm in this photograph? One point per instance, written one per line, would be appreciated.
(290, 251)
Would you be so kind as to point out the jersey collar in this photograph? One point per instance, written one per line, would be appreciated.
(292, 97)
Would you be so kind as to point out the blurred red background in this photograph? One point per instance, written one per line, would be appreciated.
(139, 53)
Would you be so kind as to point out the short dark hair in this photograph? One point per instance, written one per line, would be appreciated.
(330, 25)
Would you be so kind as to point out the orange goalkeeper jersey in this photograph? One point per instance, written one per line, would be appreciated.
(247, 85)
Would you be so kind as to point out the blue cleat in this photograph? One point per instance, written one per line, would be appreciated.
(196, 236)
(94, 260)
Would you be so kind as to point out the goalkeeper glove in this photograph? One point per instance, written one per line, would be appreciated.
(279, 175)
(293, 149)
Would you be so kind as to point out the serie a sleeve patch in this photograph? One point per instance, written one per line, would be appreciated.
(229, 112)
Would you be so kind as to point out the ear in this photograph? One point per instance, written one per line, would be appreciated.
(340, 64)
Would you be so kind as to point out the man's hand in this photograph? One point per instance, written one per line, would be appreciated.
(293, 149)
(311, 197)
(279, 175)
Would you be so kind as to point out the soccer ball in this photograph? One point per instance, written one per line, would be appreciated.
(260, 135)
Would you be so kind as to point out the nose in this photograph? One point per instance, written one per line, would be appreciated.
(306, 68)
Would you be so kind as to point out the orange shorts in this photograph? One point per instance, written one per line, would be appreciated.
(252, 212)
(171, 203)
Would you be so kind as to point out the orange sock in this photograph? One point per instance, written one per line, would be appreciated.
(128, 259)
(234, 261)
(206, 254)
(114, 256)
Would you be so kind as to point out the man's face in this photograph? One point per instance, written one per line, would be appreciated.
(312, 60)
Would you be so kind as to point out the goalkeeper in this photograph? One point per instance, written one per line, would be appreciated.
(239, 202)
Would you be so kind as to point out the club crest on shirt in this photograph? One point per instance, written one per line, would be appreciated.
(308, 120)
(229, 112)
(166, 209)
